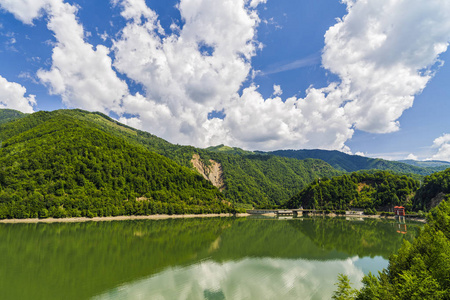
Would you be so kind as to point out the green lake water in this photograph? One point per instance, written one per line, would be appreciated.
(201, 258)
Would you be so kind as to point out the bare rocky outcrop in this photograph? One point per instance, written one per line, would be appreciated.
(437, 199)
(213, 172)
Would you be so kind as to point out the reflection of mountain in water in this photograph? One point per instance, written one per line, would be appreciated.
(80, 260)
(369, 237)
(270, 238)
(311, 238)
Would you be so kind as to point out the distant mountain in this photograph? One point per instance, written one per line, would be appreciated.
(427, 164)
(229, 150)
(352, 163)
(7, 115)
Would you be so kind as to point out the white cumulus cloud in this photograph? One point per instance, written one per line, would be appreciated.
(25, 10)
(277, 91)
(12, 96)
(80, 73)
(384, 51)
(442, 143)
(412, 156)
(189, 73)
(201, 67)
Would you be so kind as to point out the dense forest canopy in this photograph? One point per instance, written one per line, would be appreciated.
(250, 178)
(435, 188)
(380, 190)
(353, 163)
(60, 166)
(56, 156)
(420, 270)
(7, 115)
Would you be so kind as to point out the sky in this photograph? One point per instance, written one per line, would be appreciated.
(366, 77)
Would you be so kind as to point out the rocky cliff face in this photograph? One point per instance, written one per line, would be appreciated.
(213, 172)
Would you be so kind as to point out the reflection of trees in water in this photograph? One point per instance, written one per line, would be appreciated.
(80, 260)
(370, 237)
(311, 238)
(269, 238)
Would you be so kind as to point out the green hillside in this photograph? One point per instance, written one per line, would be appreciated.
(268, 180)
(380, 191)
(435, 188)
(249, 178)
(420, 270)
(7, 115)
(229, 150)
(353, 163)
(54, 164)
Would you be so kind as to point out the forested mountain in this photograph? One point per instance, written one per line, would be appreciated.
(353, 163)
(380, 190)
(7, 115)
(427, 163)
(53, 164)
(250, 178)
(253, 178)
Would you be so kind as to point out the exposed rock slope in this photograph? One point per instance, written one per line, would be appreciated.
(213, 172)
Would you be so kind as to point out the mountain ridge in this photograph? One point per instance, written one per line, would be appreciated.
(252, 179)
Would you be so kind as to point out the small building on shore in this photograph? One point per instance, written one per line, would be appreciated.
(399, 211)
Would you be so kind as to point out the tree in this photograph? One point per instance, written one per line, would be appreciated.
(344, 291)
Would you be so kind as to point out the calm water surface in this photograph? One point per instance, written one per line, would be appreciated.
(210, 258)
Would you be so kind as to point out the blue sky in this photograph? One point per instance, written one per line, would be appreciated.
(366, 77)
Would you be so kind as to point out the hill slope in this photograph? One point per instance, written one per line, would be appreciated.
(53, 164)
(435, 188)
(353, 163)
(380, 190)
(248, 178)
(7, 115)
(421, 269)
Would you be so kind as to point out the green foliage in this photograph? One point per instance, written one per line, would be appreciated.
(230, 150)
(380, 190)
(8, 115)
(353, 163)
(344, 290)
(369, 211)
(421, 269)
(249, 178)
(55, 165)
(267, 180)
(435, 187)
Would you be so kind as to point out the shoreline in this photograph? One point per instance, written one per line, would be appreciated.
(188, 216)
(331, 215)
(116, 218)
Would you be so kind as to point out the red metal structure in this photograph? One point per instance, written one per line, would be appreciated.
(399, 210)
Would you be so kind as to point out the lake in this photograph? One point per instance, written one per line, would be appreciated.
(201, 258)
